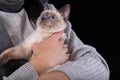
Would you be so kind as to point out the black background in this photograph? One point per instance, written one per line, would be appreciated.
(94, 24)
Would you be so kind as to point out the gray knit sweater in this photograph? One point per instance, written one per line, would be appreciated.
(85, 62)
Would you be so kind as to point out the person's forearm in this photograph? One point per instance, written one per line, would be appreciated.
(25, 72)
(55, 75)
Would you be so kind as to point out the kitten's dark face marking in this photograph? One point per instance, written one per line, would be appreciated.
(49, 16)
(51, 21)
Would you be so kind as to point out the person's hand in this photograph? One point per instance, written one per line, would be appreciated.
(49, 53)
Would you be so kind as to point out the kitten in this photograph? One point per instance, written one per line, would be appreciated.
(49, 22)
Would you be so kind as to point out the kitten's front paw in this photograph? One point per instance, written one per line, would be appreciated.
(5, 56)
(3, 59)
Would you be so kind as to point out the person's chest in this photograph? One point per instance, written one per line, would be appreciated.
(17, 25)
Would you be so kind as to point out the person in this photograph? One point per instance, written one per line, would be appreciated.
(17, 21)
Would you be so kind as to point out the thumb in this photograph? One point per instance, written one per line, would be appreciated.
(35, 48)
(57, 35)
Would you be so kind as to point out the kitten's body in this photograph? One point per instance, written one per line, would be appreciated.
(49, 22)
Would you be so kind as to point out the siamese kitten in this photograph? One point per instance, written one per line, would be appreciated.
(49, 22)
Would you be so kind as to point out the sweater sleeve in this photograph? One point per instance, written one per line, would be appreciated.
(26, 72)
(85, 62)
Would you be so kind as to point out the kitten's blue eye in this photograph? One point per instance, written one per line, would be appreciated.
(52, 17)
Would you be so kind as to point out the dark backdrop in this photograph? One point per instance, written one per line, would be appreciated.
(94, 25)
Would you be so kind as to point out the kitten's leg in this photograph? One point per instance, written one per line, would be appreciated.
(17, 52)
(5, 56)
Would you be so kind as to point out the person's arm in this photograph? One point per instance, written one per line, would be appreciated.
(55, 75)
(85, 62)
(47, 54)
(11, 5)
(25, 72)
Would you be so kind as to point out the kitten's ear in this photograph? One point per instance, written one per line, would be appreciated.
(46, 6)
(49, 6)
(65, 11)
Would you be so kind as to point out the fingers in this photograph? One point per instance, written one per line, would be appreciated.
(67, 56)
(64, 58)
(35, 48)
(65, 49)
(61, 41)
(65, 46)
(56, 36)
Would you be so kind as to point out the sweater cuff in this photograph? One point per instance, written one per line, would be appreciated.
(26, 72)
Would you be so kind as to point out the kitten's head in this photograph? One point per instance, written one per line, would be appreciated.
(53, 20)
